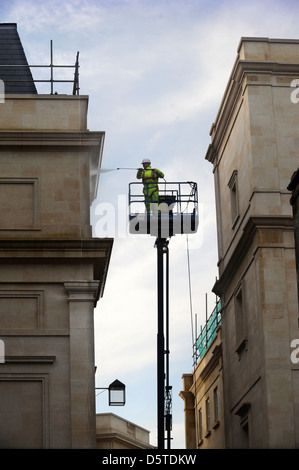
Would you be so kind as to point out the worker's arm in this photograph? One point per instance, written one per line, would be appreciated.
(159, 173)
(139, 173)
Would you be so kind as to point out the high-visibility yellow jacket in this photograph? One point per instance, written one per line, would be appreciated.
(150, 175)
(150, 178)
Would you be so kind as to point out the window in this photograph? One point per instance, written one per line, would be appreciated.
(200, 430)
(208, 416)
(244, 413)
(240, 320)
(234, 204)
(216, 405)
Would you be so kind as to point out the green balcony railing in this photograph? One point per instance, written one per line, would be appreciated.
(207, 334)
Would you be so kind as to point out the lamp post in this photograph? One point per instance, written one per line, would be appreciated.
(116, 393)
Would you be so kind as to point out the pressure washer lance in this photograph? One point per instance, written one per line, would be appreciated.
(106, 170)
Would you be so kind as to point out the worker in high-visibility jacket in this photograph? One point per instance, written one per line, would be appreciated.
(150, 177)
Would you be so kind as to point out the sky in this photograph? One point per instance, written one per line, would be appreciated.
(155, 72)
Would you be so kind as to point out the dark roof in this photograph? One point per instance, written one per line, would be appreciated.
(17, 80)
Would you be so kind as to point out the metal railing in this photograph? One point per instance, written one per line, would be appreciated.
(170, 207)
(51, 80)
(207, 333)
(180, 197)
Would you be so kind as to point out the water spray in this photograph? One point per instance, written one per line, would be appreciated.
(107, 170)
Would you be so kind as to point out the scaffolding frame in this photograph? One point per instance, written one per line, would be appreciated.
(207, 333)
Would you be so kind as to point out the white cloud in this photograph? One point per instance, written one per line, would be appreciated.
(68, 16)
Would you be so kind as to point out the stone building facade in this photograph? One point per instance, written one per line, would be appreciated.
(203, 399)
(254, 152)
(52, 271)
(114, 432)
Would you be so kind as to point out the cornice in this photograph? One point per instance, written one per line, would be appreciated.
(83, 291)
(23, 138)
(94, 251)
(252, 226)
(55, 246)
(30, 359)
(234, 90)
(266, 39)
(188, 398)
(121, 440)
(279, 68)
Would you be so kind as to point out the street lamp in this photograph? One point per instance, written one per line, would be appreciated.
(116, 393)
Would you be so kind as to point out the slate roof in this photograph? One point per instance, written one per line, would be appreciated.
(12, 53)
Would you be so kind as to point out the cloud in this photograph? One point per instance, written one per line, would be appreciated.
(143, 71)
(68, 16)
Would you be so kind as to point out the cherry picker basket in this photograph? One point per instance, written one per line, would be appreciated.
(174, 211)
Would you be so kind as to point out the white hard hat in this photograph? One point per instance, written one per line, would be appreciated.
(145, 160)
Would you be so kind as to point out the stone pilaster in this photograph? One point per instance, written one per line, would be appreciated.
(188, 397)
(82, 296)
